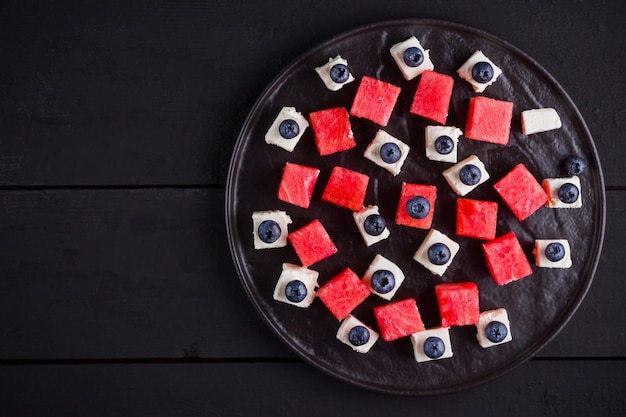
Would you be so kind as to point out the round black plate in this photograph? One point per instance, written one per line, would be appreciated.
(538, 305)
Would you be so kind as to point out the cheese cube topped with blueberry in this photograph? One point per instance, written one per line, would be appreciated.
(493, 328)
(356, 334)
(552, 253)
(296, 285)
(466, 175)
(287, 129)
(387, 151)
(371, 224)
(441, 143)
(563, 192)
(335, 73)
(479, 71)
(383, 277)
(540, 120)
(432, 344)
(269, 229)
(411, 58)
(436, 252)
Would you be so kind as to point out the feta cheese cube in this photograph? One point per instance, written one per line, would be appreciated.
(293, 273)
(433, 237)
(552, 187)
(349, 323)
(541, 260)
(452, 175)
(273, 136)
(540, 120)
(465, 71)
(486, 317)
(281, 219)
(409, 72)
(324, 73)
(374, 148)
(423, 347)
(380, 263)
(360, 217)
(435, 132)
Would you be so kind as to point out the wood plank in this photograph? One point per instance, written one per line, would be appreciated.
(148, 274)
(145, 93)
(553, 388)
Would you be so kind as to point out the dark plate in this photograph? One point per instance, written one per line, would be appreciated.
(538, 306)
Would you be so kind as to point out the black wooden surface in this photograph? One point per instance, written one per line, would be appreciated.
(118, 295)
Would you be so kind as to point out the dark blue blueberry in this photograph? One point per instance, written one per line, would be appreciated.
(575, 165)
(413, 56)
(359, 335)
(339, 73)
(496, 331)
(434, 347)
(288, 129)
(295, 291)
(555, 251)
(482, 72)
(568, 193)
(417, 207)
(470, 174)
(439, 254)
(374, 224)
(383, 281)
(269, 231)
(390, 153)
(444, 145)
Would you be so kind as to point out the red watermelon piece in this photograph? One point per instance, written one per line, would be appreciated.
(297, 184)
(489, 120)
(432, 98)
(333, 132)
(429, 192)
(521, 192)
(375, 100)
(343, 293)
(458, 303)
(398, 319)
(476, 219)
(506, 259)
(312, 243)
(346, 188)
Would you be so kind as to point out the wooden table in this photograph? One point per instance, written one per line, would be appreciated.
(118, 294)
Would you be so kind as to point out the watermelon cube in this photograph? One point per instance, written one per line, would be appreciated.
(506, 259)
(343, 293)
(417, 205)
(432, 98)
(521, 192)
(458, 303)
(333, 132)
(375, 100)
(489, 120)
(398, 319)
(476, 219)
(312, 243)
(297, 184)
(346, 188)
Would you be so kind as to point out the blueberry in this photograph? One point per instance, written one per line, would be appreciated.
(439, 254)
(374, 224)
(496, 331)
(444, 145)
(568, 193)
(295, 291)
(288, 129)
(417, 207)
(390, 153)
(269, 231)
(555, 251)
(470, 174)
(575, 165)
(339, 73)
(434, 347)
(383, 281)
(413, 56)
(482, 72)
(359, 335)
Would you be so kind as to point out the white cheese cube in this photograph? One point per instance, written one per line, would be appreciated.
(419, 340)
(435, 132)
(452, 175)
(349, 323)
(380, 263)
(552, 186)
(465, 71)
(273, 136)
(281, 219)
(540, 120)
(409, 72)
(542, 260)
(292, 273)
(421, 256)
(374, 148)
(486, 317)
(324, 73)
(360, 217)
